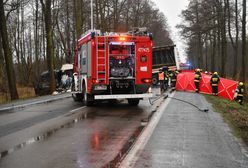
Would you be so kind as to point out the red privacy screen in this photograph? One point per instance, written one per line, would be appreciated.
(185, 82)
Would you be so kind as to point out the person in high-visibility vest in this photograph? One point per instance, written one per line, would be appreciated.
(161, 80)
(214, 81)
(197, 79)
(240, 93)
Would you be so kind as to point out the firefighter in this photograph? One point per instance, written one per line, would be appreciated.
(240, 93)
(166, 80)
(174, 78)
(170, 74)
(197, 79)
(161, 80)
(214, 81)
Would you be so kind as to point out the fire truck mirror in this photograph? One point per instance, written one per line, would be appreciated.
(93, 34)
(151, 36)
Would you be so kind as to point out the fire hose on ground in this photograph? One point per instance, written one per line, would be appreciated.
(167, 96)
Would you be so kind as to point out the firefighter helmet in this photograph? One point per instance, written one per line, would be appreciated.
(165, 68)
(216, 73)
(241, 83)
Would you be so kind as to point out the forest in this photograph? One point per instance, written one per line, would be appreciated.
(215, 33)
(40, 35)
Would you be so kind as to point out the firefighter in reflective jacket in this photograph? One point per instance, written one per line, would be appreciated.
(166, 80)
(161, 80)
(197, 79)
(214, 81)
(174, 78)
(170, 77)
(240, 93)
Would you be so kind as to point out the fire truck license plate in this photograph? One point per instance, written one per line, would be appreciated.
(101, 87)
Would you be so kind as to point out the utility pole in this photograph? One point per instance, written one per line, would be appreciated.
(91, 6)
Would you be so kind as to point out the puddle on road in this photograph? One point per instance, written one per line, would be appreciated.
(125, 149)
(46, 135)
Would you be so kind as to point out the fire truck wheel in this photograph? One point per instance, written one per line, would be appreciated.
(87, 98)
(155, 78)
(154, 81)
(77, 97)
(133, 102)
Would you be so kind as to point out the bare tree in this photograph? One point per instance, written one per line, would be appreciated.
(7, 54)
(243, 69)
(214, 26)
(44, 36)
(46, 8)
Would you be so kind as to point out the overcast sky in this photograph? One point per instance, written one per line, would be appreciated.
(172, 9)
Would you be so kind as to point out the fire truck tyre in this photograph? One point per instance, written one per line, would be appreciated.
(154, 80)
(88, 102)
(133, 102)
(77, 97)
(87, 99)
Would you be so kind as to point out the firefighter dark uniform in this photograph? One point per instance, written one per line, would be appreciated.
(197, 80)
(174, 78)
(170, 77)
(166, 80)
(240, 93)
(161, 80)
(214, 81)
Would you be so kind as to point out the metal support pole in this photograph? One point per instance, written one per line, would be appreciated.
(91, 6)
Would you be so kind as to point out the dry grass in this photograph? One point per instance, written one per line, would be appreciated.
(23, 92)
(235, 115)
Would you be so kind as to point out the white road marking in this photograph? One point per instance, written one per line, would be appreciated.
(77, 109)
(133, 155)
(33, 103)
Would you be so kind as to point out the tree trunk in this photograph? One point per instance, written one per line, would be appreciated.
(68, 37)
(243, 69)
(7, 54)
(49, 39)
(213, 52)
(199, 38)
(224, 41)
(78, 17)
(235, 61)
(1, 65)
(231, 39)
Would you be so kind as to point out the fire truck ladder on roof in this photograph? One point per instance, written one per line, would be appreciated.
(101, 62)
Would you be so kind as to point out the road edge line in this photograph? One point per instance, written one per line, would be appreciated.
(134, 153)
(33, 103)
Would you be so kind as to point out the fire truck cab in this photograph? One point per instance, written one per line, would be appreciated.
(112, 66)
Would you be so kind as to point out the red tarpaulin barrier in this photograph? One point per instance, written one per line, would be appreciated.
(185, 82)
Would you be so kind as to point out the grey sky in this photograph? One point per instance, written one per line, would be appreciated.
(172, 9)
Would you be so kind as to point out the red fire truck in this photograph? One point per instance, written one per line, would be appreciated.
(113, 66)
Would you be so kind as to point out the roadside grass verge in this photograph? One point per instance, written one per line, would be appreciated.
(24, 92)
(234, 114)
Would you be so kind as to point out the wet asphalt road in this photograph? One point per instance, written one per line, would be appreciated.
(91, 137)
(93, 140)
(14, 120)
(188, 138)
